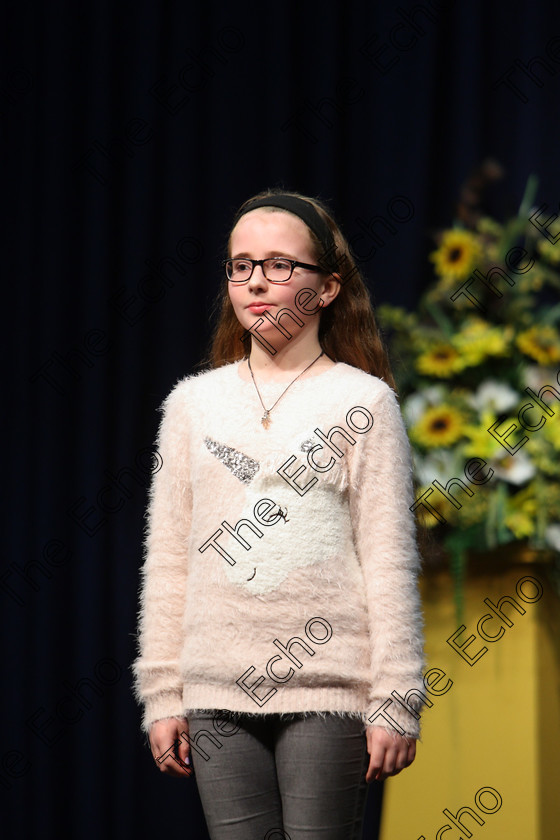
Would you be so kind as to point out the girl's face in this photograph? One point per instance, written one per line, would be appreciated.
(258, 235)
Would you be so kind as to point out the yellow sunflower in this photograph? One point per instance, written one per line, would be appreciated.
(441, 360)
(457, 254)
(478, 339)
(541, 343)
(440, 425)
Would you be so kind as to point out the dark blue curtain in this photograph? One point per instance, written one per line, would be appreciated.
(131, 132)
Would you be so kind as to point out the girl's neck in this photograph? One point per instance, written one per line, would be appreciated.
(288, 362)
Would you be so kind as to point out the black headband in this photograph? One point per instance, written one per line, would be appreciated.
(307, 214)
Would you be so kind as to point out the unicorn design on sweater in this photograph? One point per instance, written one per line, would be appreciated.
(261, 565)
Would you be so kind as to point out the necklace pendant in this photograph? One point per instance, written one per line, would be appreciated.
(265, 419)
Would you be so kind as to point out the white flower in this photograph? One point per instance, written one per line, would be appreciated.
(415, 405)
(494, 396)
(552, 536)
(440, 465)
(515, 469)
(535, 376)
(434, 394)
(413, 409)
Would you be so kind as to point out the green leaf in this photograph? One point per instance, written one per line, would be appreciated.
(501, 497)
(441, 319)
(490, 528)
(550, 315)
(528, 197)
(515, 227)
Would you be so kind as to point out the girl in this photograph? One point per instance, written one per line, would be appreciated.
(280, 645)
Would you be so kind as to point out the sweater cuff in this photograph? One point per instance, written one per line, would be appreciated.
(393, 717)
(163, 705)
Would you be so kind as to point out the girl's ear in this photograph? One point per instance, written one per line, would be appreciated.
(331, 288)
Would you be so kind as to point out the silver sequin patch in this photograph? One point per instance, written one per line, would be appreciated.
(243, 467)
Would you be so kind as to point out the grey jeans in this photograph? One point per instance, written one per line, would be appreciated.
(275, 777)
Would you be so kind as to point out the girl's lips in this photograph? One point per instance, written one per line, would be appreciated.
(259, 307)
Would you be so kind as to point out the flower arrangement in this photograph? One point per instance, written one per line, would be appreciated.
(485, 331)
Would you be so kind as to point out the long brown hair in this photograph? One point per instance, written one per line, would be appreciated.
(348, 330)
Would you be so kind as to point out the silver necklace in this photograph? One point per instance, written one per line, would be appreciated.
(265, 419)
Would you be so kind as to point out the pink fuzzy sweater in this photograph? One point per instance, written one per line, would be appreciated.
(280, 564)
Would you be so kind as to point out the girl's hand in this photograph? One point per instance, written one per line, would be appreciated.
(389, 753)
(169, 749)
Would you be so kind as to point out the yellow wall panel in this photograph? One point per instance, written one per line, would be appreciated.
(497, 726)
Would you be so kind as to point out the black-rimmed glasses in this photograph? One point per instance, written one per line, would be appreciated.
(275, 269)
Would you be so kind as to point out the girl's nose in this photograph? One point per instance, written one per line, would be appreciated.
(257, 279)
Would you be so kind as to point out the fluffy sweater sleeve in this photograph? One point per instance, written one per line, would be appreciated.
(158, 684)
(384, 531)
